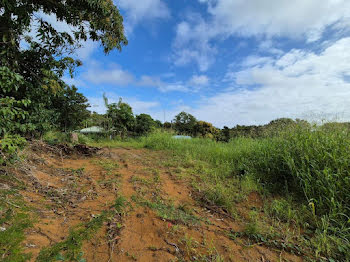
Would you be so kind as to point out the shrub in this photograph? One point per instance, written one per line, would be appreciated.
(55, 137)
(83, 139)
(9, 146)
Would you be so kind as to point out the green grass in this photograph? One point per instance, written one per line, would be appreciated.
(14, 220)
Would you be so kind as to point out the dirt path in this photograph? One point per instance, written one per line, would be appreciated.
(160, 221)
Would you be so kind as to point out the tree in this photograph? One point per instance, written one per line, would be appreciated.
(121, 116)
(204, 129)
(98, 20)
(158, 124)
(96, 119)
(47, 58)
(167, 125)
(73, 108)
(144, 124)
(225, 134)
(185, 123)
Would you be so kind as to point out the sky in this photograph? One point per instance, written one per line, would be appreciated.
(227, 62)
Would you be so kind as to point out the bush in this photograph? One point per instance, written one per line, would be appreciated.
(9, 146)
(56, 137)
(83, 139)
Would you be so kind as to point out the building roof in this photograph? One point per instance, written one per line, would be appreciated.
(182, 137)
(92, 129)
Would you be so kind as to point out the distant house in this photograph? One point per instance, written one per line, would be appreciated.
(92, 130)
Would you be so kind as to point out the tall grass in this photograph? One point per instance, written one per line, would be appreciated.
(312, 166)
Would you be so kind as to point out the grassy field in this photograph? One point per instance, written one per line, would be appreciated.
(302, 174)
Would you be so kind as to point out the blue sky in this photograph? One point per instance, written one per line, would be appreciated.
(226, 61)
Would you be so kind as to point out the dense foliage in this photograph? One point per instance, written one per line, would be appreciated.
(34, 56)
(144, 124)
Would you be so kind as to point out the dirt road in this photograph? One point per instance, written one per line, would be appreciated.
(158, 217)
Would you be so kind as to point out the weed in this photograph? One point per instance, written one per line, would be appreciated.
(152, 248)
(108, 165)
(282, 209)
(70, 249)
(169, 212)
(190, 245)
(252, 227)
(13, 235)
(76, 172)
(132, 256)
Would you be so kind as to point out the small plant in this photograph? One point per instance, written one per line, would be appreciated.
(252, 227)
(108, 165)
(282, 210)
(169, 212)
(152, 248)
(190, 244)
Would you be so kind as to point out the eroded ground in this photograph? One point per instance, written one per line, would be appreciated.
(128, 205)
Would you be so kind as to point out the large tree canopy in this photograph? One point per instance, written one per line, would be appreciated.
(98, 20)
(120, 116)
(185, 123)
(41, 65)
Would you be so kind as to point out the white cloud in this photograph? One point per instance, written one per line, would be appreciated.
(299, 19)
(199, 80)
(86, 50)
(140, 11)
(192, 43)
(254, 60)
(74, 81)
(138, 106)
(114, 74)
(300, 84)
(177, 86)
(111, 74)
(271, 18)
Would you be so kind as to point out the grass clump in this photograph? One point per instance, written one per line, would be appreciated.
(14, 220)
(168, 211)
(283, 210)
(11, 237)
(108, 165)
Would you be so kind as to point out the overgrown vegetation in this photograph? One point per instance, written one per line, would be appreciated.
(310, 166)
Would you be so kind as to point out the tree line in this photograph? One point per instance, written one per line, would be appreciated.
(186, 124)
